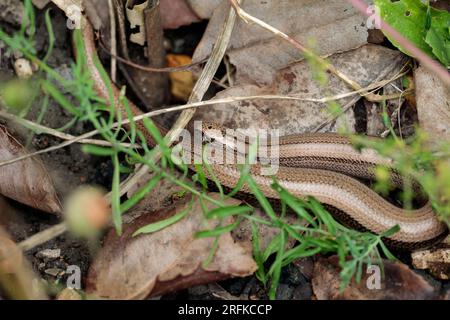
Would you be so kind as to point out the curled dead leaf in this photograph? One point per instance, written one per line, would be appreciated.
(182, 81)
(26, 181)
(171, 259)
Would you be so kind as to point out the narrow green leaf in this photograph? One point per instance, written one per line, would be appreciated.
(98, 151)
(51, 36)
(390, 232)
(224, 212)
(155, 227)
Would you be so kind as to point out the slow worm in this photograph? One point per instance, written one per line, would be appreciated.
(317, 165)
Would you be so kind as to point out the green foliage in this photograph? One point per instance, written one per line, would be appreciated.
(421, 160)
(155, 227)
(426, 27)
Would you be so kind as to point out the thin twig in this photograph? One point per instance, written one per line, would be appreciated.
(70, 140)
(43, 236)
(85, 137)
(40, 129)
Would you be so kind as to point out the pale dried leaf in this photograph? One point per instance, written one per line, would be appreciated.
(137, 267)
(204, 9)
(25, 181)
(334, 25)
(364, 65)
(177, 13)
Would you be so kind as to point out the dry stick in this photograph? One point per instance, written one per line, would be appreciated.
(43, 236)
(197, 95)
(417, 53)
(246, 17)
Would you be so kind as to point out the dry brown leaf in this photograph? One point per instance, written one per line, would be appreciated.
(204, 9)
(177, 13)
(399, 283)
(334, 25)
(433, 105)
(130, 267)
(25, 181)
(364, 65)
(437, 260)
(65, 5)
(135, 15)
